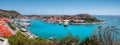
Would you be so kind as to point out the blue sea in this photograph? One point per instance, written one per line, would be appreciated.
(46, 30)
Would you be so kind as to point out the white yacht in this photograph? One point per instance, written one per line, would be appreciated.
(24, 22)
(66, 22)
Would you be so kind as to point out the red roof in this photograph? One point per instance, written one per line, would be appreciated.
(2, 23)
(5, 19)
(4, 31)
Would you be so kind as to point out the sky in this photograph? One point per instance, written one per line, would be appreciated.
(62, 7)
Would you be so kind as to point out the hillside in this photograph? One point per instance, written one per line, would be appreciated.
(9, 13)
(88, 18)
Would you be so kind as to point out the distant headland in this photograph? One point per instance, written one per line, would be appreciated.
(71, 19)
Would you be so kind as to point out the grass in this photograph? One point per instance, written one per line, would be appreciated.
(20, 39)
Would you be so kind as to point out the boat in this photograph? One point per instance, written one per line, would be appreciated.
(66, 22)
(23, 29)
(24, 22)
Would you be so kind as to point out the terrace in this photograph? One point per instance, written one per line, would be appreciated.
(3, 41)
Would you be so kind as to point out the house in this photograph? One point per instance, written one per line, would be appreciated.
(4, 30)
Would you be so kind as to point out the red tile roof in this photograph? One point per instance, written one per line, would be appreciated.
(4, 30)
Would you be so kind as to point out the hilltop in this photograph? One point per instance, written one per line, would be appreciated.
(9, 13)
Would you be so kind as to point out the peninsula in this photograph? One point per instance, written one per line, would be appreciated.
(68, 19)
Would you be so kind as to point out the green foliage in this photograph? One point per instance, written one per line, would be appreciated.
(11, 26)
(69, 40)
(104, 36)
(108, 35)
(20, 39)
(8, 14)
(90, 41)
(88, 18)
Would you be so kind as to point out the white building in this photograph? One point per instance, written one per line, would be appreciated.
(79, 21)
(3, 41)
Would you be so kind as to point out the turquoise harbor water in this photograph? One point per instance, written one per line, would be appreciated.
(45, 30)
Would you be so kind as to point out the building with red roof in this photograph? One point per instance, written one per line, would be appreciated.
(4, 30)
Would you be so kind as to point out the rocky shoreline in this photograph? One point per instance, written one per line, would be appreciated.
(88, 23)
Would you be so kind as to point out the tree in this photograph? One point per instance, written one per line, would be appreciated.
(103, 36)
(108, 35)
(9, 13)
(69, 40)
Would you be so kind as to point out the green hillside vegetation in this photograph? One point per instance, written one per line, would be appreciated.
(88, 18)
(9, 13)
